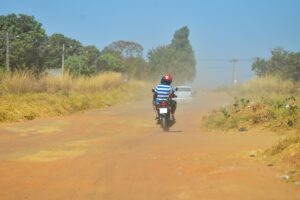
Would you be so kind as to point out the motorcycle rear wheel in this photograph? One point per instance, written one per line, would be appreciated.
(164, 123)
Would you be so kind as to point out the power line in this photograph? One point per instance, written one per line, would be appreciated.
(213, 67)
(225, 60)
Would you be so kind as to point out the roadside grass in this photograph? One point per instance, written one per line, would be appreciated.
(25, 97)
(268, 103)
(286, 155)
(269, 86)
(262, 104)
(244, 114)
(26, 82)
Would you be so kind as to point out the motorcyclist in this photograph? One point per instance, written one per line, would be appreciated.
(162, 92)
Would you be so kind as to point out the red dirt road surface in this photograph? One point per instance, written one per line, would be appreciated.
(120, 153)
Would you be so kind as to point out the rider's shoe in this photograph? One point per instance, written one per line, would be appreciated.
(173, 119)
(157, 121)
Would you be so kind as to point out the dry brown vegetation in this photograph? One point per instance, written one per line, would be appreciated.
(26, 82)
(25, 97)
(267, 102)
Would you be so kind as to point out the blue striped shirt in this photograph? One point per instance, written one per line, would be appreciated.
(163, 92)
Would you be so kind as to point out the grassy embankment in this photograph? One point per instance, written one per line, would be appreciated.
(24, 97)
(265, 104)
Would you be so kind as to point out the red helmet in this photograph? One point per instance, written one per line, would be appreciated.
(167, 79)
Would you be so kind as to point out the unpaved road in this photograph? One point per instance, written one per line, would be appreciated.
(119, 153)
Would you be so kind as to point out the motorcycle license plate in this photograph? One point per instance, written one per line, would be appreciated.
(163, 110)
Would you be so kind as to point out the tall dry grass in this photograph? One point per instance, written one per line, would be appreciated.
(24, 96)
(26, 82)
(269, 85)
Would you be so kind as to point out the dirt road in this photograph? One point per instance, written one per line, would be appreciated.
(119, 153)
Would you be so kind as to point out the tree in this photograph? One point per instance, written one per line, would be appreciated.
(111, 62)
(293, 67)
(55, 48)
(136, 67)
(260, 67)
(282, 63)
(86, 56)
(160, 60)
(92, 54)
(27, 41)
(126, 49)
(181, 39)
(78, 65)
(124, 56)
(176, 58)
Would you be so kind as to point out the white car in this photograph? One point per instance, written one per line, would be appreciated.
(184, 94)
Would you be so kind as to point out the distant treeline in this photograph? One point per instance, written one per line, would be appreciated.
(30, 48)
(283, 64)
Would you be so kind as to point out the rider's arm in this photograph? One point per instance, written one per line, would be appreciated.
(173, 90)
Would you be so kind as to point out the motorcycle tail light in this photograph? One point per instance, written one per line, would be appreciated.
(164, 104)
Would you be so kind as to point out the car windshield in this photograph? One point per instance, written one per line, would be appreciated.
(184, 89)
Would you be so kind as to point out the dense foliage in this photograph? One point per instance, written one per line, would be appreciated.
(125, 49)
(176, 58)
(31, 49)
(27, 41)
(55, 48)
(283, 64)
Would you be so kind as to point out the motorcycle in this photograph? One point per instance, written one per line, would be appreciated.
(164, 111)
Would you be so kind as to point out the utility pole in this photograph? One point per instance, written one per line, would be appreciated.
(234, 75)
(63, 60)
(7, 52)
(80, 61)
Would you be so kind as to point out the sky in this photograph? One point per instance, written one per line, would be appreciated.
(220, 30)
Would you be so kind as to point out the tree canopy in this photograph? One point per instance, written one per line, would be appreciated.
(282, 63)
(111, 62)
(176, 58)
(31, 49)
(125, 49)
(127, 57)
(27, 42)
(55, 48)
